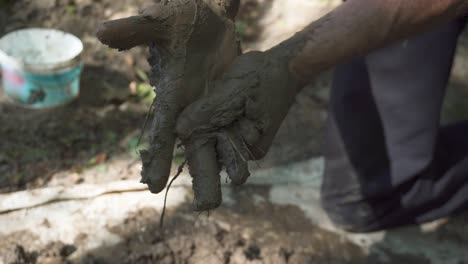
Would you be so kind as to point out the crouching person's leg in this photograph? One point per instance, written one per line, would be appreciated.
(385, 167)
(356, 165)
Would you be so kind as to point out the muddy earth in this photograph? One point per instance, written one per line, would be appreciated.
(238, 235)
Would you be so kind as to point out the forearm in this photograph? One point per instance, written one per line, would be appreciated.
(357, 27)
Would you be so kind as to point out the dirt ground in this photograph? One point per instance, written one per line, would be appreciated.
(236, 235)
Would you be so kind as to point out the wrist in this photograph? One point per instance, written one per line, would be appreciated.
(284, 55)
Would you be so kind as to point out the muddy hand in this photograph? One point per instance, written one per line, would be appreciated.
(183, 61)
(243, 112)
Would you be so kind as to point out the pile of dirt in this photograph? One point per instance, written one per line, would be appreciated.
(239, 234)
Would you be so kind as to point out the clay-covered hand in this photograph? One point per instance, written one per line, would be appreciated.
(238, 118)
(242, 113)
(191, 43)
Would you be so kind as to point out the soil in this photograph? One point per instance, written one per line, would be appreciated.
(236, 235)
(218, 239)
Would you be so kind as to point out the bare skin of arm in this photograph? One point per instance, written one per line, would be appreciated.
(359, 26)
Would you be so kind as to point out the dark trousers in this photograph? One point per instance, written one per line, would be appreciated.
(388, 160)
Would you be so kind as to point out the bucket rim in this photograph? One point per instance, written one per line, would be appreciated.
(41, 68)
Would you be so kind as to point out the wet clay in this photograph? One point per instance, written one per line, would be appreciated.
(191, 43)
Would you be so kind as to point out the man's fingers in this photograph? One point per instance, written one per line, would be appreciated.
(196, 115)
(125, 33)
(209, 114)
(153, 24)
(151, 10)
(248, 130)
(226, 101)
(204, 169)
(233, 154)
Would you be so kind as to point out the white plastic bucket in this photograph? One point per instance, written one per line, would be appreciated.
(41, 67)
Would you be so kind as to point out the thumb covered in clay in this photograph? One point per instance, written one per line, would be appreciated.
(153, 24)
